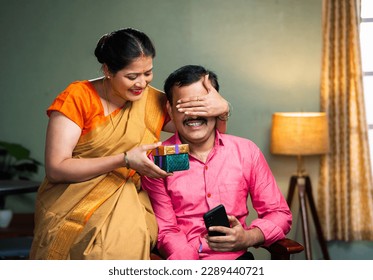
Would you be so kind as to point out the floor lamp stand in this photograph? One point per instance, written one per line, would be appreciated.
(303, 183)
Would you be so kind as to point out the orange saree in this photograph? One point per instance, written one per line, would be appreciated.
(110, 216)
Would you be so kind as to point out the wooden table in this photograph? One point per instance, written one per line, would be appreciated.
(16, 239)
(13, 187)
(22, 224)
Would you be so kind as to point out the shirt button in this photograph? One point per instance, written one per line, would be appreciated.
(209, 195)
(206, 167)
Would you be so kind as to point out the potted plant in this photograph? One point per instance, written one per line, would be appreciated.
(16, 163)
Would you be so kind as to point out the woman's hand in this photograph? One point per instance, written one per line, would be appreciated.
(139, 161)
(206, 105)
(62, 137)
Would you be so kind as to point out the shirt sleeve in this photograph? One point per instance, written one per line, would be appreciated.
(172, 241)
(71, 104)
(274, 216)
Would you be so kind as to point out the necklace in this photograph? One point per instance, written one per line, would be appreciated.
(107, 100)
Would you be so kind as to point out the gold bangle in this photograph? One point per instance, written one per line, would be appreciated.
(226, 116)
(126, 161)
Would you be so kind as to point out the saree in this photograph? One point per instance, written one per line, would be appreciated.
(108, 217)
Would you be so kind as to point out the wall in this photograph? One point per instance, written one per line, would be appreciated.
(266, 53)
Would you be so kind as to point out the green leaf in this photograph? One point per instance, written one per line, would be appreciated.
(16, 150)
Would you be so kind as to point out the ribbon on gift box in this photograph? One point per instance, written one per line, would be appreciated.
(172, 158)
(171, 150)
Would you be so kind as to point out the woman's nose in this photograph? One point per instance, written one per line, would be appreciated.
(141, 82)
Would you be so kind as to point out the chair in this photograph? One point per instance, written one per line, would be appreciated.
(280, 250)
(284, 248)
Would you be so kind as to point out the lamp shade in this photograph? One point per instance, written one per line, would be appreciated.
(299, 133)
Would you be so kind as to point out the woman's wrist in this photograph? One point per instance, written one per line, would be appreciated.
(224, 117)
(126, 161)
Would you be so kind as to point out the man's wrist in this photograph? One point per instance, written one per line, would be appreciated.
(254, 237)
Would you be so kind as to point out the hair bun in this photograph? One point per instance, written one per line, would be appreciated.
(99, 51)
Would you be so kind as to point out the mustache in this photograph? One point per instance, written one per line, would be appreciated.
(202, 119)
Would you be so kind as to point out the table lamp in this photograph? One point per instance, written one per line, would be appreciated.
(302, 134)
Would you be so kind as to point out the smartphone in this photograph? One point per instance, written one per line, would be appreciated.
(216, 217)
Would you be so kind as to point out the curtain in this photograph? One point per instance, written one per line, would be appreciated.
(345, 191)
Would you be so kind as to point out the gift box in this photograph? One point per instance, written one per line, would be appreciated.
(172, 158)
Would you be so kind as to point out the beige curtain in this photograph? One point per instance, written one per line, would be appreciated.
(345, 192)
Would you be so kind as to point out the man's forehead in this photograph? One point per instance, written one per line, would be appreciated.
(196, 88)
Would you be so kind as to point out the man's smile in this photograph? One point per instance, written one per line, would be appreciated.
(196, 121)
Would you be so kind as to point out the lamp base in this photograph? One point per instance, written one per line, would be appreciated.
(303, 184)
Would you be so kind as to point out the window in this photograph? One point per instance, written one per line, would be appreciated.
(366, 41)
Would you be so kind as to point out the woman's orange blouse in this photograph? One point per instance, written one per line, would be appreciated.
(81, 103)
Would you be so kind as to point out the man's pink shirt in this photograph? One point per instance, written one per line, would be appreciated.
(234, 171)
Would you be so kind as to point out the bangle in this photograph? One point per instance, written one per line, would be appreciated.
(126, 161)
(226, 116)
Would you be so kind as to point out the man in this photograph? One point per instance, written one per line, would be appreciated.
(224, 169)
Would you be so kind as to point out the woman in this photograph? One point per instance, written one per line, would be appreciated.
(90, 204)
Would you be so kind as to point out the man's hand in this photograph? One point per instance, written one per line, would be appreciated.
(236, 237)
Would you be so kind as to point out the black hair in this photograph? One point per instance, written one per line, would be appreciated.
(188, 75)
(120, 48)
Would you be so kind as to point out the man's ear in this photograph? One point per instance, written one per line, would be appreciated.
(169, 109)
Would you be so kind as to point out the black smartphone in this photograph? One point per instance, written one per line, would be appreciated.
(216, 217)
